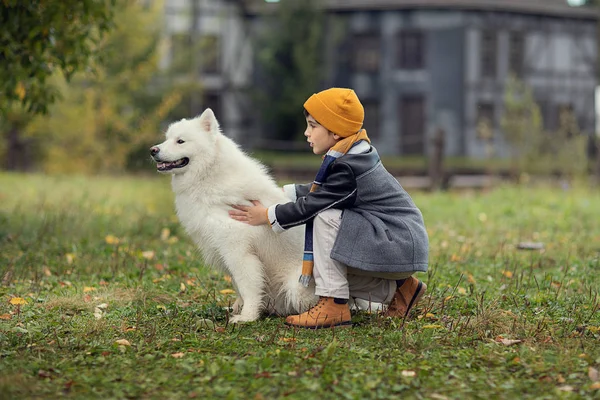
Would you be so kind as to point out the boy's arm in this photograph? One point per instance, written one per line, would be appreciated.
(338, 191)
(294, 191)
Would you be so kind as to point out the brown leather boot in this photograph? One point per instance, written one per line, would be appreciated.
(405, 298)
(326, 314)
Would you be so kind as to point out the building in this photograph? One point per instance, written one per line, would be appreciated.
(424, 65)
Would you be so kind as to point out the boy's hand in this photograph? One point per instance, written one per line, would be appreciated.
(252, 215)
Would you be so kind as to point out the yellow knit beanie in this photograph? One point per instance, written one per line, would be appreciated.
(337, 109)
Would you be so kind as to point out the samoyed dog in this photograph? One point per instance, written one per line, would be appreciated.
(210, 173)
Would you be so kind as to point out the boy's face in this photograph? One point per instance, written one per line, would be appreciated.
(320, 139)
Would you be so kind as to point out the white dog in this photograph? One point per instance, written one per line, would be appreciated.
(209, 174)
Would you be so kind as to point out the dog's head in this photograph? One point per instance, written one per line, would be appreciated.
(189, 143)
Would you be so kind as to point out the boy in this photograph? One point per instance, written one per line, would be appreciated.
(369, 237)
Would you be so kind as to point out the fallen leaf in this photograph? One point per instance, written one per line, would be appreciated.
(593, 374)
(87, 298)
(18, 301)
(530, 246)
(87, 289)
(595, 386)
(227, 278)
(182, 287)
(165, 233)
(566, 388)
(44, 374)
(70, 258)
(102, 306)
(289, 339)
(432, 326)
(462, 290)
(5, 316)
(177, 355)
(410, 374)
(47, 271)
(123, 342)
(508, 342)
(430, 316)
(507, 274)
(148, 255)
(227, 291)
(111, 239)
(560, 379)
(454, 257)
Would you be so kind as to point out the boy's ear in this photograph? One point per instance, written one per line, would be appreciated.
(336, 137)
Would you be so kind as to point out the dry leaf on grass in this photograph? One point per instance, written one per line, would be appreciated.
(409, 374)
(177, 355)
(593, 374)
(507, 342)
(18, 301)
(123, 342)
(227, 291)
(566, 388)
(5, 316)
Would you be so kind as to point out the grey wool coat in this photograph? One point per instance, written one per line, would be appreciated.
(382, 230)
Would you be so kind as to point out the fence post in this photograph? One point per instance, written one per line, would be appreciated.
(436, 161)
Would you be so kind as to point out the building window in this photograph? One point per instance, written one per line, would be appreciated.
(372, 118)
(485, 121)
(210, 54)
(516, 53)
(412, 138)
(366, 53)
(411, 50)
(489, 45)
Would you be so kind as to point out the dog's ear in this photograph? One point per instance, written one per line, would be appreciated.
(208, 121)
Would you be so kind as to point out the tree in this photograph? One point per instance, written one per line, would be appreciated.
(289, 63)
(108, 113)
(534, 150)
(40, 37)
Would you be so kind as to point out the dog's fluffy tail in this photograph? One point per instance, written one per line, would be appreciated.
(296, 298)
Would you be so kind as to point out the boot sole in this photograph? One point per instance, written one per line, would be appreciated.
(416, 297)
(421, 288)
(345, 324)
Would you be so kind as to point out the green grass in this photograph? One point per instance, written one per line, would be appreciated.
(69, 244)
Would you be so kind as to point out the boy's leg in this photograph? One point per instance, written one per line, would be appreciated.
(330, 275)
(330, 278)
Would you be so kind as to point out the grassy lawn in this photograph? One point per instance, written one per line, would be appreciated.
(118, 304)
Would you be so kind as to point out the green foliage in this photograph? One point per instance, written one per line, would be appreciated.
(71, 244)
(534, 150)
(289, 50)
(117, 109)
(39, 38)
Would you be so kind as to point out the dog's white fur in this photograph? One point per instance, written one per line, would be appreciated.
(264, 266)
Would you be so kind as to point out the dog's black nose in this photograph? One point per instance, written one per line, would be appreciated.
(154, 150)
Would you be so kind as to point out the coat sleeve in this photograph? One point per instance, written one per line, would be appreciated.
(338, 191)
(302, 189)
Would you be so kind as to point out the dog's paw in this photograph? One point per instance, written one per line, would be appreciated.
(236, 308)
(240, 319)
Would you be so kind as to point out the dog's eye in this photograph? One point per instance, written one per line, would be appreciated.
(180, 141)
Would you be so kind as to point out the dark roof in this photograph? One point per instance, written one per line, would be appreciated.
(555, 8)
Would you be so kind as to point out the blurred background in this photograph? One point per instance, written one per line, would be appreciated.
(471, 89)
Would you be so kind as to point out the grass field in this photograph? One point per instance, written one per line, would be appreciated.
(103, 296)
